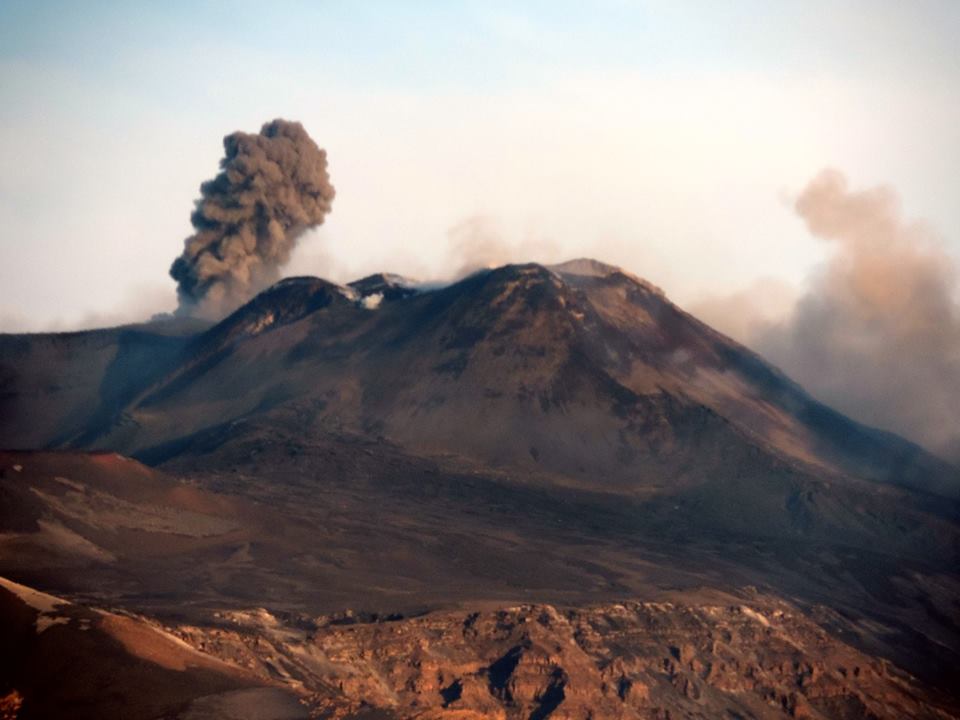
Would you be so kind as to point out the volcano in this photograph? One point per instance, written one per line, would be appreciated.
(563, 437)
(579, 371)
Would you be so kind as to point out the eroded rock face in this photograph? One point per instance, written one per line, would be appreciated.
(627, 660)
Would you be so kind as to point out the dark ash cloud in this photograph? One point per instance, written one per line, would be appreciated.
(272, 187)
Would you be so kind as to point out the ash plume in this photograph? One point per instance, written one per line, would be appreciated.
(877, 333)
(272, 187)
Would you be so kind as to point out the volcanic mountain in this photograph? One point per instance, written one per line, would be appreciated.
(579, 370)
(539, 434)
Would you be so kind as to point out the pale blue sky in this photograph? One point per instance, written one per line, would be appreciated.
(664, 136)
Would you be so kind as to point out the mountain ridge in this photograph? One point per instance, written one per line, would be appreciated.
(602, 322)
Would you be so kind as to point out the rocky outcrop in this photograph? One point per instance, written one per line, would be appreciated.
(626, 660)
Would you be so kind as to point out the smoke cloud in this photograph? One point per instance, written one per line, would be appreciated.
(476, 243)
(272, 187)
(877, 333)
(746, 313)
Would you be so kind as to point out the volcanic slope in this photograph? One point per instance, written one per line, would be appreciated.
(577, 376)
(579, 371)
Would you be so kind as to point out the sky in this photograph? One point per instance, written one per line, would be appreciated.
(670, 138)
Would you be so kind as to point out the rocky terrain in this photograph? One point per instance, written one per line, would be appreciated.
(537, 492)
(752, 657)
(764, 659)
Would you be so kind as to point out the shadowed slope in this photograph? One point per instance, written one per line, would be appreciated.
(60, 660)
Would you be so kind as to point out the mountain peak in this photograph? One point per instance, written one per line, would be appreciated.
(384, 286)
(282, 303)
(580, 268)
(585, 266)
